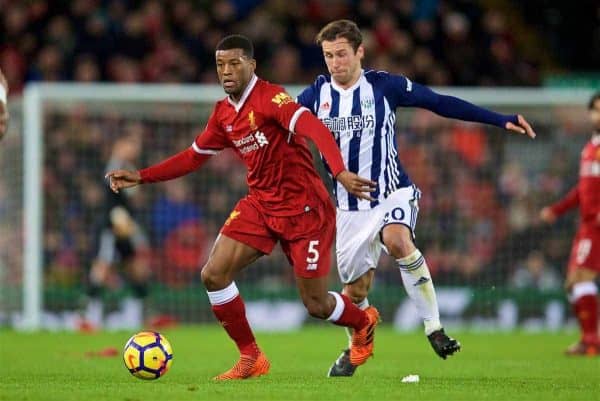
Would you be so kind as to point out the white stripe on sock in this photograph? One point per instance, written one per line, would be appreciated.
(339, 307)
(412, 261)
(583, 289)
(223, 296)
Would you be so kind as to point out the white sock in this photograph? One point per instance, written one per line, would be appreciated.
(94, 312)
(223, 296)
(418, 285)
(338, 309)
(584, 288)
(364, 304)
(133, 312)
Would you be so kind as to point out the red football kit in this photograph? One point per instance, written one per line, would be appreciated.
(586, 194)
(287, 200)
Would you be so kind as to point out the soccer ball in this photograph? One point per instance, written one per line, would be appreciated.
(148, 355)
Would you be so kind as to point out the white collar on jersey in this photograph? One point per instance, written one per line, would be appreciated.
(245, 95)
(350, 89)
(596, 139)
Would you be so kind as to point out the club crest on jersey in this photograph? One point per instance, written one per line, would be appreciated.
(282, 98)
(324, 107)
(367, 103)
(252, 120)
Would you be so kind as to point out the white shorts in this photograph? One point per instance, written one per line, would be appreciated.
(358, 240)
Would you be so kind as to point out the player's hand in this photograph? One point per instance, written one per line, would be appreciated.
(522, 127)
(119, 179)
(547, 215)
(356, 185)
(3, 108)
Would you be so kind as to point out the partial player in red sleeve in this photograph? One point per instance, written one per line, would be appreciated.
(3, 105)
(584, 263)
(287, 202)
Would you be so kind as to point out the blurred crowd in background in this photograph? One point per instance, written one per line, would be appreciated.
(482, 191)
(436, 42)
(486, 232)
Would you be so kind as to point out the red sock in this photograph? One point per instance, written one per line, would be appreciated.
(232, 316)
(352, 315)
(586, 310)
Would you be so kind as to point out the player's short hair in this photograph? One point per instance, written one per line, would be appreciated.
(237, 42)
(593, 99)
(341, 28)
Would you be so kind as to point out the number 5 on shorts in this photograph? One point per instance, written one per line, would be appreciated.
(313, 255)
(583, 250)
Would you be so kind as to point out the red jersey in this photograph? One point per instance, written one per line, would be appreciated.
(281, 177)
(586, 194)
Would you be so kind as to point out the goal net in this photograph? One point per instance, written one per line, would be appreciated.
(493, 263)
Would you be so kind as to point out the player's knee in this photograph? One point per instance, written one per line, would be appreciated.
(400, 247)
(212, 278)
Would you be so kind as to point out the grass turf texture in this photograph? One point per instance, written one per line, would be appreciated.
(515, 366)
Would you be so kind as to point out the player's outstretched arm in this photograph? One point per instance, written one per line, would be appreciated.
(522, 126)
(119, 179)
(549, 214)
(412, 94)
(175, 166)
(3, 105)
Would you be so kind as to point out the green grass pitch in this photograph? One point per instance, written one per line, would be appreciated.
(502, 366)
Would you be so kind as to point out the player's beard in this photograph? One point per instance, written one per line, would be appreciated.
(231, 90)
(236, 90)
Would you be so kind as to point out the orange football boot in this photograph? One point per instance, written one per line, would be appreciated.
(247, 367)
(583, 349)
(363, 340)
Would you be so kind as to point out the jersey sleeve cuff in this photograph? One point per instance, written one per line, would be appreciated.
(143, 176)
(201, 151)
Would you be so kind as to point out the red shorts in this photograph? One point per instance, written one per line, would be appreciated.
(585, 252)
(306, 239)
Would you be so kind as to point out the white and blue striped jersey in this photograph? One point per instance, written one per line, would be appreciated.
(362, 119)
